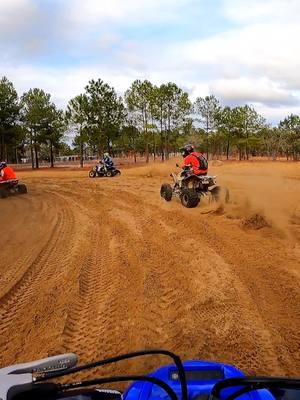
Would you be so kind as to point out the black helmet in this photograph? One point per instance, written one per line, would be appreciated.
(187, 149)
(2, 165)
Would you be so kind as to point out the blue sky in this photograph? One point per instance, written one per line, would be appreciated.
(242, 51)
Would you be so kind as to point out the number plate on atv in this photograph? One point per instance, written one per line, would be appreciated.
(205, 181)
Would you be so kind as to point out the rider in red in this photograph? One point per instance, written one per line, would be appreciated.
(191, 157)
(6, 173)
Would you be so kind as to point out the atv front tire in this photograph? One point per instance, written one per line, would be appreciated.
(189, 198)
(92, 174)
(166, 192)
(117, 172)
(22, 189)
(3, 194)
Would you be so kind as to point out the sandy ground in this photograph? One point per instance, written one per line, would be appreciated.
(104, 266)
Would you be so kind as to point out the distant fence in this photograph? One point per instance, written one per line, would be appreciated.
(121, 161)
(129, 162)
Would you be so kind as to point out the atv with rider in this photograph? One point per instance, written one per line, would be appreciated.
(192, 182)
(9, 184)
(190, 188)
(104, 168)
(104, 171)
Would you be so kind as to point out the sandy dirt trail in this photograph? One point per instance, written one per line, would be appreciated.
(104, 266)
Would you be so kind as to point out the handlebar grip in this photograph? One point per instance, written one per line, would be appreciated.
(49, 364)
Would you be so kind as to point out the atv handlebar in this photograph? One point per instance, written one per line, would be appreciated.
(18, 382)
(18, 378)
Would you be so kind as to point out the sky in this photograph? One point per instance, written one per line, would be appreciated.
(241, 51)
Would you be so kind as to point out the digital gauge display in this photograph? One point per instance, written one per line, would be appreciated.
(199, 374)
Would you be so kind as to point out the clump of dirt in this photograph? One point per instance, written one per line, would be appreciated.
(219, 210)
(255, 221)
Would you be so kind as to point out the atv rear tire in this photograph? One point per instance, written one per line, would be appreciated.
(22, 189)
(92, 174)
(189, 198)
(166, 192)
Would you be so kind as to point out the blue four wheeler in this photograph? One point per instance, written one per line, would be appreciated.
(191, 380)
(100, 170)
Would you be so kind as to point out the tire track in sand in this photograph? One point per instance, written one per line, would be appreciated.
(25, 296)
(204, 318)
(147, 260)
(91, 323)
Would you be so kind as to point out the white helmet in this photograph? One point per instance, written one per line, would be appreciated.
(2, 165)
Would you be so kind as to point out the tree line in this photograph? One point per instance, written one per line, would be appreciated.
(149, 120)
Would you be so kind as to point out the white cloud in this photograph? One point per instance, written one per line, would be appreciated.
(243, 11)
(256, 60)
(109, 39)
(10, 7)
(89, 12)
(200, 89)
(63, 84)
(263, 50)
(245, 90)
(15, 15)
(274, 115)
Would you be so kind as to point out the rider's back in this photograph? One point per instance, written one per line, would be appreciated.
(194, 160)
(108, 161)
(7, 174)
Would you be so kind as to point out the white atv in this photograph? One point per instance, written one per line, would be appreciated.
(190, 187)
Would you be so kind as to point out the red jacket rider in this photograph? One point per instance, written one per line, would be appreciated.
(191, 158)
(6, 173)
